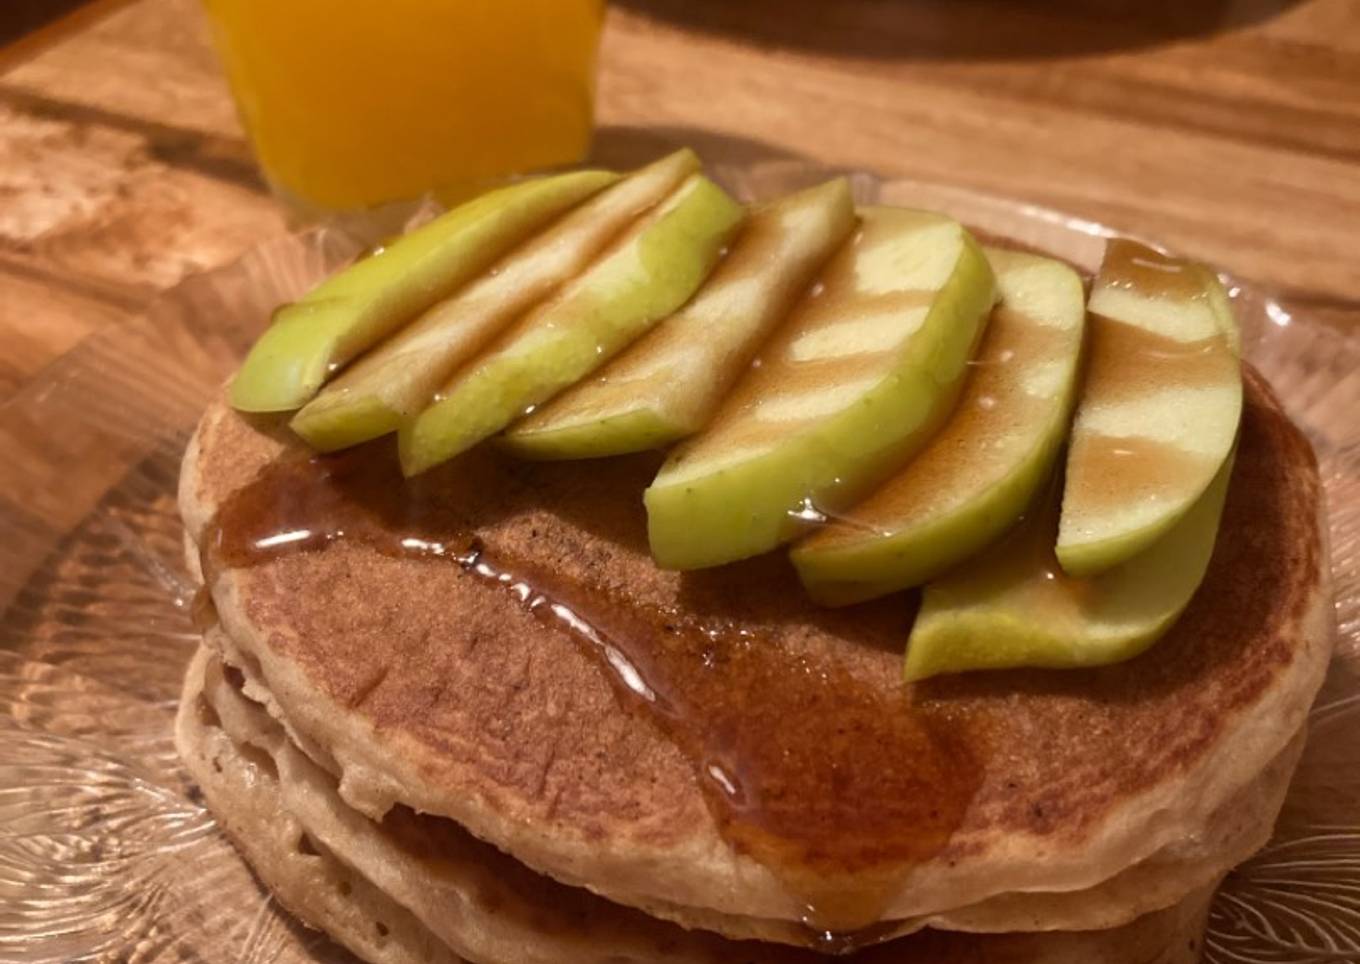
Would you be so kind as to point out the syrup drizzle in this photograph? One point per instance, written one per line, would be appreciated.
(822, 766)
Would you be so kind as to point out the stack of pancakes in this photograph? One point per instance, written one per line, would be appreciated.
(469, 719)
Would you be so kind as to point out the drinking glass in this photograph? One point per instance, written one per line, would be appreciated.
(357, 103)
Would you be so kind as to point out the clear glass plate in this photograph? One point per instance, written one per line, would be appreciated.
(106, 852)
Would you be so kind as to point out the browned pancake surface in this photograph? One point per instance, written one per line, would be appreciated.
(510, 714)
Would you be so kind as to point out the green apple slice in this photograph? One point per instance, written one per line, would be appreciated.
(860, 376)
(976, 476)
(312, 338)
(668, 383)
(1159, 409)
(649, 273)
(1014, 606)
(398, 378)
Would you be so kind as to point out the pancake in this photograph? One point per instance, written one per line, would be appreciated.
(490, 909)
(573, 728)
(240, 787)
(454, 861)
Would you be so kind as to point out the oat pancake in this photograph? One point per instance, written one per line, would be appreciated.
(450, 861)
(356, 878)
(240, 785)
(493, 645)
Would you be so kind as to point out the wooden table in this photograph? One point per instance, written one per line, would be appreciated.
(1229, 130)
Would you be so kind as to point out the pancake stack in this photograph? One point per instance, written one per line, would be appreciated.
(470, 719)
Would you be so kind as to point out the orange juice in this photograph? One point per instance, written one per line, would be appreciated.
(354, 103)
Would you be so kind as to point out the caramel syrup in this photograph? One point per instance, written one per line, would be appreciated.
(825, 768)
(1129, 264)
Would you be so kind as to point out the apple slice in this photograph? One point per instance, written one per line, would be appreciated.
(398, 378)
(313, 337)
(976, 476)
(667, 384)
(1159, 410)
(862, 374)
(1014, 606)
(647, 274)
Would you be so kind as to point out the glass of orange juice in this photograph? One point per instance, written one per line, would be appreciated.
(350, 104)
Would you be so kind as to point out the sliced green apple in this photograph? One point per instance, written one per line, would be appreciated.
(313, 337)
(397, 379)
(1159, 409)
(647, 274)
(976, 476)
(668, 383)
(1014, 606)
(859, 377)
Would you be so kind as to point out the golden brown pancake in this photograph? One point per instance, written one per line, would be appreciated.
(355, 878)
(713, 740)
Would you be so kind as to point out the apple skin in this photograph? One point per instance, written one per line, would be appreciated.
(668, 383)
(645, 276)
(616, 433)
(396, 379)
(1159, 408)
(310, 339)
(848, 390)
(1015, 607)
(975, 478)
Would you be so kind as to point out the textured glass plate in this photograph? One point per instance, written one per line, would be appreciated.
(105, 851)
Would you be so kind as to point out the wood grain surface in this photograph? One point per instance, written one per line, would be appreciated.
(1227, 129)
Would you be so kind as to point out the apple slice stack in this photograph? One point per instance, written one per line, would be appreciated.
(981, 471)
(850, 386)
(396, 380)
(669, 383)
(869, 386)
